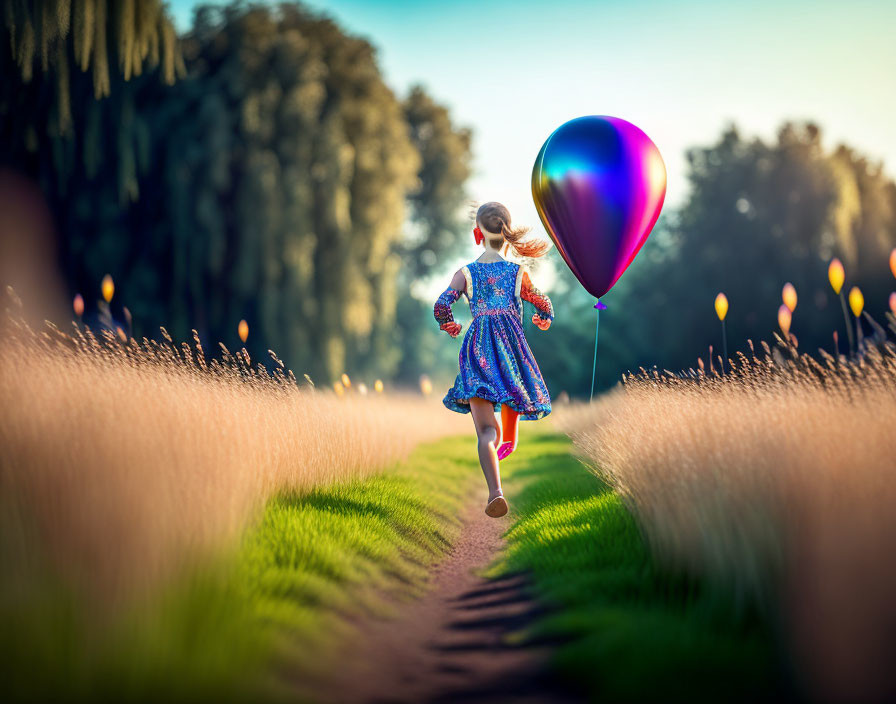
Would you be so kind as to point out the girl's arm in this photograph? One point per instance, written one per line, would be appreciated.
(442, 308)
(542, 303)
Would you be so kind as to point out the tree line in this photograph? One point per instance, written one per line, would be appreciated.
(258, 167)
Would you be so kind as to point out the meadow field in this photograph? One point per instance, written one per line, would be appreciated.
(774, 482)
(152, 496)
(169, 511)
(130, 453)
(731, 540)
(625, 626)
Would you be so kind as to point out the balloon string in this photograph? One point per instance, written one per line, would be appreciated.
(594, 365)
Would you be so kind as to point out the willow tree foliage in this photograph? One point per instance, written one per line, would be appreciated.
(271, 183)
(62, 36)
(60, 118)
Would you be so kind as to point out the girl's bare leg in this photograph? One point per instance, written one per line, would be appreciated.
(488, 433)
(510, 421)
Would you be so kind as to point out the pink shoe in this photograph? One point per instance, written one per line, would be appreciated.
(505, 449)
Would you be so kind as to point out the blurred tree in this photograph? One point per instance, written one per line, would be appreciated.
(436, 226)
(66, 38)
(310, 166)
(445, 151)
(69, 35)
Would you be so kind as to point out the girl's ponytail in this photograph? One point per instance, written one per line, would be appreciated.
(495, 218)
(516, 238)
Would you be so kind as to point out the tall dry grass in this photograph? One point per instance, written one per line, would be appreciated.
(779, 479)
(119, 461)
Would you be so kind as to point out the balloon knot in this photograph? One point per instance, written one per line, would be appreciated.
(599, 305)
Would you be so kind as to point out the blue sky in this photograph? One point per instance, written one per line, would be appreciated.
(514, 71)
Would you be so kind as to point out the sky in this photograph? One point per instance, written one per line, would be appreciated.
(682, 71)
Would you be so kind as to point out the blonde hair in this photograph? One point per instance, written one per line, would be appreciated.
(495, 218)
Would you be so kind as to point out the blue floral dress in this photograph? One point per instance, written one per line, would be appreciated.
(496, 363)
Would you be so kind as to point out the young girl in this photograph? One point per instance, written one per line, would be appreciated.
(496, 365)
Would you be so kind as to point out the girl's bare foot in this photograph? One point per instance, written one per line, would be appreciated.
(497, 505)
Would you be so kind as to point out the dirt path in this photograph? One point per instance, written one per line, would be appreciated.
(455, 643)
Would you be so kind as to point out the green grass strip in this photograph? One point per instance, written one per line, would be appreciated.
(318, 559)
(625, 630)
(285, 596)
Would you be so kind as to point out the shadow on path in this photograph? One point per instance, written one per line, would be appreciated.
(461, 642)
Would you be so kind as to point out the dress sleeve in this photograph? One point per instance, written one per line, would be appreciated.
(542, 303)
(442, 311)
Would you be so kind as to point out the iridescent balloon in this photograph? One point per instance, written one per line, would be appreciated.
(598, 184)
